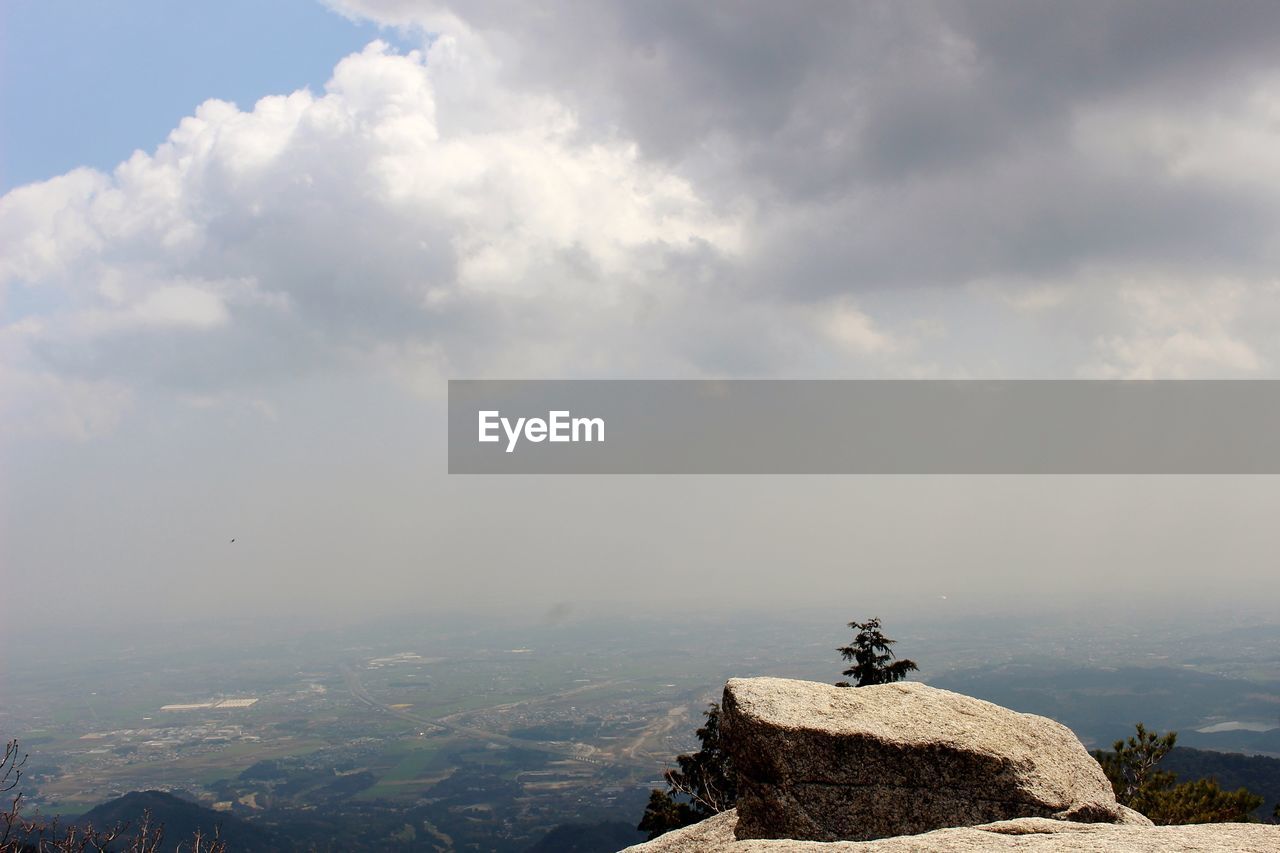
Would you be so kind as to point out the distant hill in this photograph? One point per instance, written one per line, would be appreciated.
(180, 818)
(1240, 740)
(1101, 705)
(606, 837)
(1257, 773)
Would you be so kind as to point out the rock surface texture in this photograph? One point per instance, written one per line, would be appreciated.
(906, 767)
(1039, 835)
(826, 763)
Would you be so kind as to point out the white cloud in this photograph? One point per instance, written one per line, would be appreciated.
(179, 305)
(852, 329)
(1229, 141)
(666, 190)
(1180, 354)
(413, 207)
(1183, 332)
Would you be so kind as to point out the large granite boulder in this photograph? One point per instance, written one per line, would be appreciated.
(1036, 835)
(824, 763)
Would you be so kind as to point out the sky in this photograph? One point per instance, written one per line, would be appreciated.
(243, 245)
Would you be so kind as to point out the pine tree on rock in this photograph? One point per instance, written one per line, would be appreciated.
(872, 656)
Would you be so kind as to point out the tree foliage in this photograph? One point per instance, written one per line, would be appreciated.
(1203, 801)
(665, 813)
(1132, 766)
(701, 785)
(1139, 783)
(871, 654)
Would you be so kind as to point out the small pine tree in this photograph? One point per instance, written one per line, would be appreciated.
(1133, 768)
(872, 656)
(702, 785)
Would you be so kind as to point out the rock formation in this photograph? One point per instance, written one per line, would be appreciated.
(826, 763)
(1027, 835)
(905, 766)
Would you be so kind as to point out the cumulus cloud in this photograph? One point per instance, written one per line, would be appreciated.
(673, 189)
(414, 210)
(847, 93)
(891, 145)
